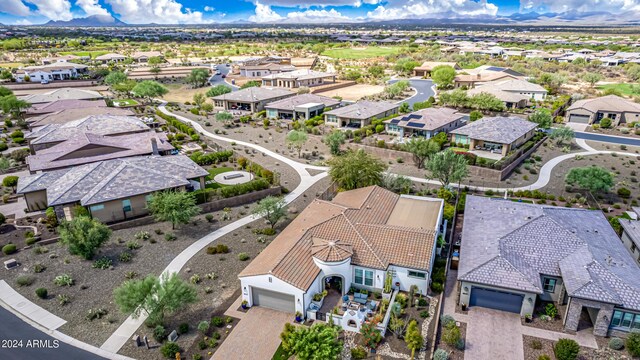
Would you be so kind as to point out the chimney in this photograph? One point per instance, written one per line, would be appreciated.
(154, 146)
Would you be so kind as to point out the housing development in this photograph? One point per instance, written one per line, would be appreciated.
(274, 180)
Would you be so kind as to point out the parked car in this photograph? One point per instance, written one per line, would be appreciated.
(224, 76)
(218, 72)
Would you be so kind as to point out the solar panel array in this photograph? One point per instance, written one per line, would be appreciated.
(415, 124)
(495, 68)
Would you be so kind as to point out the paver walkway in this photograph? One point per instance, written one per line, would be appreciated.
(451, 297)
(583, 338)
(493, 334)
(256, 336)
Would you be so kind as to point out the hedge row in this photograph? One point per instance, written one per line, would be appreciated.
(201, 158)
(256, 169)
(206, 195)
(187, 129)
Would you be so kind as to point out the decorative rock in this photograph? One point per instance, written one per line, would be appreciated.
(187, 270)
(173, 336)
(10, 264)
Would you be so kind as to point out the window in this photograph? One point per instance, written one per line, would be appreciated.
(363, 277)
(549, 285)
(626, 320)
(126, 205)
(96, 207)
(417, 274)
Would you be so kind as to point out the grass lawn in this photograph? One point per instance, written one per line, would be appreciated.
(212, 173)
(625, 89)
(11, 65)
(126, 102)
(92, 54)
(459, 149)
(280, 354)
(361, 53)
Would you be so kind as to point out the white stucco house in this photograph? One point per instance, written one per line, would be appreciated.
(356, 240)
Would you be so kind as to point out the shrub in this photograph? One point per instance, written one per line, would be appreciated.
(243, 256)
(544, 357)
(202, 344)
(424, 314)
(216, 336)
(217, 321)
(9, 249)
(25, 280)
(447, 321)
(98, 313)
(605, 123)
(30, 241)
(125, 256)
(63, 299)
(170, 237)
(633, 344)
(195, 279)
(196, 356)
(63, 280)
(624, 193)
(169, 350)
(551, 310)
(358, 353)
(142, 235)
(440, 354)
(209, 217)
(203, 326)
(437, 287)
(42, 293)
(159, 333)
(451, 335)
(460, 344)
(218, 249)
(616, 343)
(102, 263)
(536, 345)
(38, 268)
(566, 349)
(133, 245)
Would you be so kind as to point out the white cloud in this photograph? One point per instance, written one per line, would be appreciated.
(91, 7)
(613, 6)
(14, 7)
(306, 4)
(155, 11)
(402, 9)
(53, 9)
(265, 14)
(24, 22)
(209, 8)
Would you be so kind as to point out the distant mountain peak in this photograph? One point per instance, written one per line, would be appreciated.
(94, 20)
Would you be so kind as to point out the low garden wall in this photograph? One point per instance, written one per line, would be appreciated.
(385, 154)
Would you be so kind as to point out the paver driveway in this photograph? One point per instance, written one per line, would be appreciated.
(256, 337)
(493, 335)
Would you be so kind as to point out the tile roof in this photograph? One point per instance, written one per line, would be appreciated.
(58, 105)
(500, 129)
(363, 109)
(429, 118)
(606, 103)
(511, 245)
(353, 225)
(62, 94)
(112, 179)
(302, 74)
(94, 124)
(65, 115)
(254, 94)
(291, 102)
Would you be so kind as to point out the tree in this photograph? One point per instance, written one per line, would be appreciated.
(115, 77)
(10, 181)
(224, 117)
(405, 65)
(447, 167)
(396, 183)
(356, 169)
(551, 81)
(318, 342)
(272, 209)
(591, 178)
(83, 235)
(198, 77)
(5, 92)
(10, 104)
(413, 338)
(334, 140)
(154, 61)
(199, 99)
(591, 78)
(422, 149)
(370, 334)
(149, 89)
(443, 75)
(218, 90)
(178, 207)
(485, 101)
(475, 115)
(404, 108)
(563, 134)
(542, 117)
(252, 83)
(457, 98)
(297, 139)
(396, 89)
(5, 75)
(155, 296)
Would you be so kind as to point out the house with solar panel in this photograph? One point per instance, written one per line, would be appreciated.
(425, 123)
(360, 114)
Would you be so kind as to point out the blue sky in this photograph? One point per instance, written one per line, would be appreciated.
(292, 11)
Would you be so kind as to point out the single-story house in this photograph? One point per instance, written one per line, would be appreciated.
(62, 59)
(298, 78)
(591, 111)
(111, 57)
(49, 135)
(357, 240)
(425, 123)
(427, 66)
(471, 78)
(360, 114)
(62, 94)
(66, 115)
(631, 237)
(304, 106)
(497, 134)
(253, 99)
(514, 254)
(514, 92)
(51, 72)
(143, 56)
(83, 148)
(58, 105)
(112, 190)
(260, 70)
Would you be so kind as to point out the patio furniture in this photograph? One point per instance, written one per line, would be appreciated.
(345, 298)
(372, 305)
(360, 298)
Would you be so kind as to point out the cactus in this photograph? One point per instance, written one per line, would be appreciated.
(387, 282)
(412, 292)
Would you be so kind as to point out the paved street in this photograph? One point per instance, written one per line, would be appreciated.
(608, 138)
(424, 90)
(218, 80)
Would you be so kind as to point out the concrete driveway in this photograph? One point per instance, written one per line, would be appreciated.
(256, 337)
(493, 334)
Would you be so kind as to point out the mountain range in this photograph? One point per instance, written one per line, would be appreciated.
(95, 20)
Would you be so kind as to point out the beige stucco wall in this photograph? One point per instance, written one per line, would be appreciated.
(112, 210)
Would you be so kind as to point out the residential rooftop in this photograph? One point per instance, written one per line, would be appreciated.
(632, 228)
(606, 103)
(66, 115)
(57, 105)
(427, 119)
(95, 124)
(301, 74)
(254, 94)
(291, 103)
(499, 129)
(62, 94)
(363, 109)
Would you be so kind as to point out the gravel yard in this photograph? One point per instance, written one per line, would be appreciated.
(535, 347)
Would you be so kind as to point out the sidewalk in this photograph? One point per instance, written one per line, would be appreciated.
(451, 297)
(28, 309)
(583, 338)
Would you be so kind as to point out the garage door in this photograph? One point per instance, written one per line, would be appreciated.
(273, 300)
(582, 119)
(494, 299)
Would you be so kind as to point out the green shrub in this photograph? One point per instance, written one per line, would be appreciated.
(183, 328)
(551, 310)
(217, 321)
(566, 349)
(358, 353)
(616, 343)
(97, 313)
(424, 314)
(633, 343)
(440, 354)
(169, 350)
(460, 344)
(605, 123)
(218, 249)
(25, 280)
(125, 256)
(196, 356)
(624, 193)
(159, 333)
(63, 280)
(201, 158)
(209, 217)
(42, 293)
(9, 249)
(447, 321)
(38, 268)
(243, 256)
(203, 326)
(102, 263)
(544, 357)
(30, 241)
(536, 345)
(170, 237)
(216, 335)
(133, 245)
(451, 335)
(437, 287)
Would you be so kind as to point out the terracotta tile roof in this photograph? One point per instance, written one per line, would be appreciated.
(353, 225)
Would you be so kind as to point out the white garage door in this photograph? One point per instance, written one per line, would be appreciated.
(581, 119)
(273, 300)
